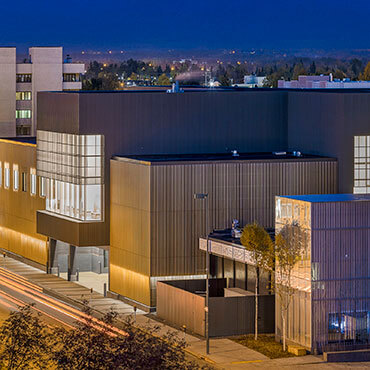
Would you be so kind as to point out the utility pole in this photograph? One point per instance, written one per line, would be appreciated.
(204, 196)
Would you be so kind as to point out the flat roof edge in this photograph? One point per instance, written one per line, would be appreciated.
(9, 141)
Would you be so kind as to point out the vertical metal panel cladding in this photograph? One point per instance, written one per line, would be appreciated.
(325, 122)
(129, 231)
(243, 189)
(18, 206)
(153, 122)
(341, 290)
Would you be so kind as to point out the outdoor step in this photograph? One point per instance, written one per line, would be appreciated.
(297, 350)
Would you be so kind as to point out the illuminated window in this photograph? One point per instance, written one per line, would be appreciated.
(72, 167)
(24, 181)
(6, 175)
(33, 181)
(71, 77)
(42, 187)
(362, 165)
(23, 95)
(15, 177)
(24, 77)
(23, 113)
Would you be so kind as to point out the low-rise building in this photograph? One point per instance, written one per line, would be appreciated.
(322, 82)
(43, 70)
(252, 81)
(156, 222)
(330, 307)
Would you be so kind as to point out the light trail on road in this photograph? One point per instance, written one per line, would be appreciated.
(16, 291)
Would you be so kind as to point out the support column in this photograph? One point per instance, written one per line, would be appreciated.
(53, 261)
(234, 274)
(246, 277)
(72, 271)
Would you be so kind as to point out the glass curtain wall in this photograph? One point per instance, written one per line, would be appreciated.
(72, 171)
(362, 165)
(296, 216)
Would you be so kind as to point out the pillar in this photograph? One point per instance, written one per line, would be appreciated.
(53, 260)
(72, 271)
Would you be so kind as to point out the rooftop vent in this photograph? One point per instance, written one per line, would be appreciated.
(235, 229)
(68, 59)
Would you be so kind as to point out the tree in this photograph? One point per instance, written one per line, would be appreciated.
(163, 80)
(313, 68)
(258, 242)
(289, 245)
(356, 68)
(109, 81)
(366, 74)
(133, 76)
(298, 70)
(24, 341)
(339, 74)
(93, 345)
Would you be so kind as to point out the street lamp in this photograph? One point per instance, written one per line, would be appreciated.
(204, 196)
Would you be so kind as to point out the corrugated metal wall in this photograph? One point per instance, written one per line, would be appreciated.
(325, 123)
(341, 292)
(243, 190)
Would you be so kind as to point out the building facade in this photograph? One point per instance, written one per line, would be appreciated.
(156, 222)
(330, 307)
(21, 195)
(44, 70)
(322, 82)
(92, 146)
(361, 164)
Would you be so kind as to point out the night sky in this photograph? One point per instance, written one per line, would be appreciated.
(240, 24)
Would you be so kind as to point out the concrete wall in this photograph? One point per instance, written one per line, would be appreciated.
(47, 74)
(7, 91)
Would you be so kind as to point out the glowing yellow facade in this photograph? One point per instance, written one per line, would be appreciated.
(19, 200)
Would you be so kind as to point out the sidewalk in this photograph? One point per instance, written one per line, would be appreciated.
(224, 353)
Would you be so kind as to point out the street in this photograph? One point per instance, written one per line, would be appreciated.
(16, 291)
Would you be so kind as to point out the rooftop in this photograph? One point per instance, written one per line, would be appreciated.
(224, 235)
(162, 158)
(324, 198)
(202, 89)
(26, 139)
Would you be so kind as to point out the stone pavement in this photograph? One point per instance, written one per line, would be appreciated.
(224, 353)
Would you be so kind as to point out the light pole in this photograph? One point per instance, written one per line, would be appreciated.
(204, 196)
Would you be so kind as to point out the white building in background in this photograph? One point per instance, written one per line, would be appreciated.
(252, 81)
(362, 165)
(44, 70)
(322, 82)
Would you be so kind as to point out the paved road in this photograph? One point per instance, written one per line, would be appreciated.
(16, 291)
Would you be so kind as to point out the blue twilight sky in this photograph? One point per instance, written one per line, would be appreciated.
(187, 24)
